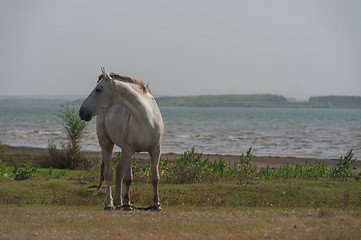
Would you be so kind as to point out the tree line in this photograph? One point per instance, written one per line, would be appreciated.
(259, 100)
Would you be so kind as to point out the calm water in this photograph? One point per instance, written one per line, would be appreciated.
(319, 133)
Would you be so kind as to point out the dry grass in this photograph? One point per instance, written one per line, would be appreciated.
(39, 222)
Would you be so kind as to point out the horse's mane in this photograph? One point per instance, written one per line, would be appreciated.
(127, 79)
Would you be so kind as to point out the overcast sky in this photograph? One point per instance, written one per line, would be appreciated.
(292, 48)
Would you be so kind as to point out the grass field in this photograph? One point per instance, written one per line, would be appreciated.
(65, 222)
(65, 208)
(60, 204)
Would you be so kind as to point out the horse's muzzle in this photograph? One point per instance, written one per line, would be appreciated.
(85, 115)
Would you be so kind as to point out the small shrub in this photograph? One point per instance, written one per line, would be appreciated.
(70, 156)
(245, 168)
(319, 170)
(344, 166)
(23, 171)
(187, 169)
(66, 158)
(73, 126)
(3, 169)
(267, 173)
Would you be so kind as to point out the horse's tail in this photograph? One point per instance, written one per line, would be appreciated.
(101, 178)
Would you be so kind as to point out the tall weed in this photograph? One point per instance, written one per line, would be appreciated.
(245, 168)
(344, 166)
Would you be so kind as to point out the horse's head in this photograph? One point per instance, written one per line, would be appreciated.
(100, 99)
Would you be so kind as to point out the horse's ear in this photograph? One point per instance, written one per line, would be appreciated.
(105, 74)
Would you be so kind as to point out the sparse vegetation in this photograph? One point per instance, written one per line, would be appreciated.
(190, 168)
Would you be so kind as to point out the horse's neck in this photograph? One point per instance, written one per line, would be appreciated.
(136, 103)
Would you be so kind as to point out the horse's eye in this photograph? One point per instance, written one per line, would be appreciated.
(98, 90)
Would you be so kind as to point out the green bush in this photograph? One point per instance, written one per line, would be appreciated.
(70, 156)
(23, 171)
(344, 166)
(188, 169)
(66, 158)
(73, 126)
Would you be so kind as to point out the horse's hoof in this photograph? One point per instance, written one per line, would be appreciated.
(127, 208)
(108, 208)
(156, 208)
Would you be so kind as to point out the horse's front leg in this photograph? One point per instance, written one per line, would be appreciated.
(118, 187)
(108, 175)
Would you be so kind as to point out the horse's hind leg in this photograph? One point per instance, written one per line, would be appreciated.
(154, 159)
(126, 177)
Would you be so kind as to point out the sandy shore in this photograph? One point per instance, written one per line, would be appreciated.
(260, 161)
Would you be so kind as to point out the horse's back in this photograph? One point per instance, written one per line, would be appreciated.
(123, 130)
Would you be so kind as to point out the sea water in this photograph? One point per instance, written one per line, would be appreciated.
(284, 132)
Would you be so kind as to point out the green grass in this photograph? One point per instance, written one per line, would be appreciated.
(63, 207)
(190, 181)
(71, 190)
(61, 204)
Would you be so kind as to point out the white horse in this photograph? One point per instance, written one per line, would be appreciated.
(129, 117)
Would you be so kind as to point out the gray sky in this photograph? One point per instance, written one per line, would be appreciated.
(293, 48)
